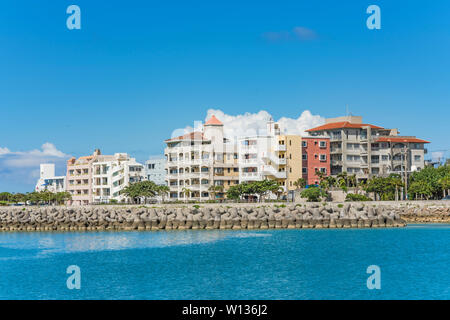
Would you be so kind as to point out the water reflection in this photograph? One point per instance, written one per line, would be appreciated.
(44, 244)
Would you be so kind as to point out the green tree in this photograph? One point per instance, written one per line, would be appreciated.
(313, 194)
(300, 183)
(234, 192)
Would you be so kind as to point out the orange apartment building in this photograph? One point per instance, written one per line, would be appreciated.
(315, 156)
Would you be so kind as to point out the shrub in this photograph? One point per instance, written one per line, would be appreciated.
(357, 197)
(313, 194)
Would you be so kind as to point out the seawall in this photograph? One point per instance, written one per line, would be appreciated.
(213, 216)
(243, 216)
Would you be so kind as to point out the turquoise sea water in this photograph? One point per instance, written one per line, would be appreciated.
(269, 264)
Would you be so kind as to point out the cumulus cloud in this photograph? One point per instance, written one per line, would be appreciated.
(298, 33)
(4, 151)
(21, 168)
(250, 124)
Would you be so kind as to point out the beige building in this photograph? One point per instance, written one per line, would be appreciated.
(100, 178)
(79, 179)
(273, 156)
(367, 150)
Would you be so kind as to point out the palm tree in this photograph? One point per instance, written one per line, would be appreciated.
(352, 180)
(163, 190)
(343, 176)
(186, 193)
(300, 183)
(214, 189)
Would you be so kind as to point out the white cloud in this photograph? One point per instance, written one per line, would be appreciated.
(4, 151)
(303, 33)
(22, 167)
(249, 124)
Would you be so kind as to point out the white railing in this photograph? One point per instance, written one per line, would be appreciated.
(270, 171)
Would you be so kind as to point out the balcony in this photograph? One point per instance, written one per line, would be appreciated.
(270, 171)
(280, 147)
(336, 162)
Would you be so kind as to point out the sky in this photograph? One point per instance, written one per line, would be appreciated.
(138, 70)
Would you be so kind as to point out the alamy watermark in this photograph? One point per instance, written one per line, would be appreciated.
(74, 20)
(374, 280)
(374, 20)
(74, 280)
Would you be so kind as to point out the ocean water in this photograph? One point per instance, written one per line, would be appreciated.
(268, 264)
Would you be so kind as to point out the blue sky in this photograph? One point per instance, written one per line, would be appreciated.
(139, 69)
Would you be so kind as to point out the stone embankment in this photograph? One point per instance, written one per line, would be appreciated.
(239, 216)
(426, 214)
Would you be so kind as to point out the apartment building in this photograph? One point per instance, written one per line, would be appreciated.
(199, 160)
(155, 170)
(366, 150)
(273, 156)
(111, 174)
(79, 179)
(315, 156)
(100, 178)
(48, 181)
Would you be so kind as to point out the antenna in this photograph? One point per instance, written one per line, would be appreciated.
(346, 110)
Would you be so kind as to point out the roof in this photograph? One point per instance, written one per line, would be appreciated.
(401, 139)
(315, 137)
(190, 136)
(213, 121)
(341, 125)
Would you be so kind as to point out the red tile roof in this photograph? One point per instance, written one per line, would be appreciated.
(401, 139)
(189, 136)
(213, 121)
(342, 125)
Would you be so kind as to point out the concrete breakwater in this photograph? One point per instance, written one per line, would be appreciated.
(291, 216)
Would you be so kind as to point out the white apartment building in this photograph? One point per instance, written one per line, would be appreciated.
(273, 156)
(48, 181)
(199, 160)
(367, 150)
(155, 170)
(111, 174)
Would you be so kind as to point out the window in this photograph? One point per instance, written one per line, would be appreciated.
(322, 144)
(384, 158)
(323, 157)
(304, 156)
(417, 158)
(323, 170)
(304, 170)
(304, 144)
